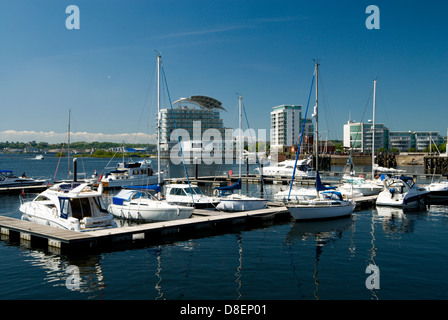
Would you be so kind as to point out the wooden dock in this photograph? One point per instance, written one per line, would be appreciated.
(202, 223)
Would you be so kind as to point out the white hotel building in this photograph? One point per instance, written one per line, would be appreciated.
(286, 124)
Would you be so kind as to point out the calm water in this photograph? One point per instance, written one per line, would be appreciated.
(287, 261)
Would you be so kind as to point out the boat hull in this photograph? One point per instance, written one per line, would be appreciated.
(385, 199)
(320, 212)
(157, 213)
(234, 205)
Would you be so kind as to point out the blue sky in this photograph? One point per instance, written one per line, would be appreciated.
(264, 50)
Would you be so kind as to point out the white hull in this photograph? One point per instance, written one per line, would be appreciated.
(321, 210)
(241, 203)
(401, 200)
(438, 190)
(89, 224)
(159, 211)
(286, 169)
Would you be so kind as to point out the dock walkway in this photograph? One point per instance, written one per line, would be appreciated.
(202, 222)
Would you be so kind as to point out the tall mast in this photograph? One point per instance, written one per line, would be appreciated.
(68, 144)
(240, 135)
(159, 62)
(373, 130)
(317, 119)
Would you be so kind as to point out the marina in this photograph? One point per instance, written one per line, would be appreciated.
(238, 249)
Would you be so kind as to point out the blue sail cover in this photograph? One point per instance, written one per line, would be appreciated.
(319, 184)
(226, 189)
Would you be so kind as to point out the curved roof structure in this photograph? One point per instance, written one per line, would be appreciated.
(203, 102)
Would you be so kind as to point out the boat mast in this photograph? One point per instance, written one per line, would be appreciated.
(240, 135)
(317, 124)
(373, 130)
(159, 62)
(68, 145)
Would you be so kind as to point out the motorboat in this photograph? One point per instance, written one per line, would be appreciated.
(401, 192)
(303, 169)
(185, 194)
(8, 179)
(438, 190)
(141, 205)
(130, 173)
(231, 201)
(71, 206)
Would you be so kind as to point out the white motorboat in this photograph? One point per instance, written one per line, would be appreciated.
(187, 195)
(130, 173)
(8, 180)
(438, 190)
(72, 206)
(328, 203)
(285, 169)
(401, 192)
(141, 205)
(230, 201)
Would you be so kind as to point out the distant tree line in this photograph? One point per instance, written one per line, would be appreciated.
(73, 145)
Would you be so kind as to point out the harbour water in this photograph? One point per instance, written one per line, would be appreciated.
(328, 260)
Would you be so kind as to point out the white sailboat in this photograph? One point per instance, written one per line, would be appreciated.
(361, 185)
(233, 201)
(137, 203)
(327, 204)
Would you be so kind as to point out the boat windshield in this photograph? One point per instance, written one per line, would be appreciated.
(195, 190)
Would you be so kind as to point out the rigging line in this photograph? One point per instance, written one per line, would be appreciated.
(256, 156)
(301, 137)
(178, 138)
(143, 108)
(362, 118)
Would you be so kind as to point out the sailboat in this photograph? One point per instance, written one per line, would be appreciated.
(137, 202)
(328, 202)
(236, 201)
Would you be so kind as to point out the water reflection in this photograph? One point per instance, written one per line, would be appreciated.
(90, 277)
(399, 220)
(324, 233)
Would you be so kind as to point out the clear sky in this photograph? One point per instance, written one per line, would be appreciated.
(264, 50)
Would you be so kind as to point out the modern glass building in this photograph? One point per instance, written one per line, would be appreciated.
(192, 117)
(358, 135)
